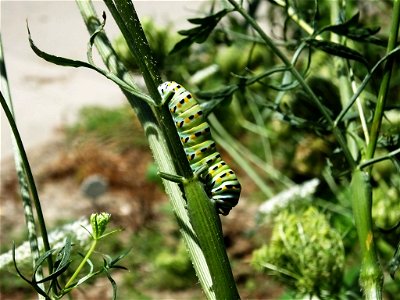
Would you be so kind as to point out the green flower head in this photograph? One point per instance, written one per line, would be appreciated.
(99, 223)
(305, 252)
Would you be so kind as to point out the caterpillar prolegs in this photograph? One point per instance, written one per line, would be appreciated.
(221, 183)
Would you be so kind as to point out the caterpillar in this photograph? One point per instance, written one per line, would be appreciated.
(221, 183)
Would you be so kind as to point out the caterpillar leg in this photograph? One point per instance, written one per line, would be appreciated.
(173, 177)
(201, 172)
(180, 180)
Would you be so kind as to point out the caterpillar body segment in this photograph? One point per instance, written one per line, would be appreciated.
(221, 183)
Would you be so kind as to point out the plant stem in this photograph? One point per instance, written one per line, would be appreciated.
(371, 277)
(378, 159)
(341, 72)
(339, 137)
(203, 217)
(203, 239)
(81, 265)
(30, 180)
(128, 21)
(384, 87)
(21, 174)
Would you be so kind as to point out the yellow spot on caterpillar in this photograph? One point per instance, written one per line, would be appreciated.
(187, 120)
(193, 137)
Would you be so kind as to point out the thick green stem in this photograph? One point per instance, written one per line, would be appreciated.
(209, 233)
(384, 87)
(371, 277)
(206, 250)
(128, 22)
(125, 15)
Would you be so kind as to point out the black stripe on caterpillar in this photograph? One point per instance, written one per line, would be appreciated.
(221, 183)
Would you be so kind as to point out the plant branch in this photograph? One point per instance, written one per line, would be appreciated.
(384, 87)
(204, 239)
(21, 174)
(336, 131)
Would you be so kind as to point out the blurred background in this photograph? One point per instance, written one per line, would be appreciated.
(88, 152)
(46, 96)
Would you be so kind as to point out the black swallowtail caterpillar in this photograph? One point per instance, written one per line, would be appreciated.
(221, 183)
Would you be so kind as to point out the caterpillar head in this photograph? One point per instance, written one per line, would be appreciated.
(165, 87)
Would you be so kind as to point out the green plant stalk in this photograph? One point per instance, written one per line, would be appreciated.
(211, 241)
(25, 177)
(384, 87)
(26, 172)
(363, 84)
(260, 125)
(296, 18)
(156, 141)
(203, 217)
(22, 177)
(336, 131)
(204, 258)
(129, 24)
(82, 264)
(343, 79)
(371, 277)
(375, 160)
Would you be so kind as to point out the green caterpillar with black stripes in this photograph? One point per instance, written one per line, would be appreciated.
(221, 183)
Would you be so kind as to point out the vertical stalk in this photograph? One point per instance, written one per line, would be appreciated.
(25, 177)
(202, 232)
(342, 74)
(371, 277)
(384, 87)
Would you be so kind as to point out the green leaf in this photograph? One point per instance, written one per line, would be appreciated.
(116, 259)
(200, 33)
(113, 284)
(354, 30)
(212, 99)
(62, 61)
(62, 266)
(337, 50)
(65, 253)
(35, 286)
